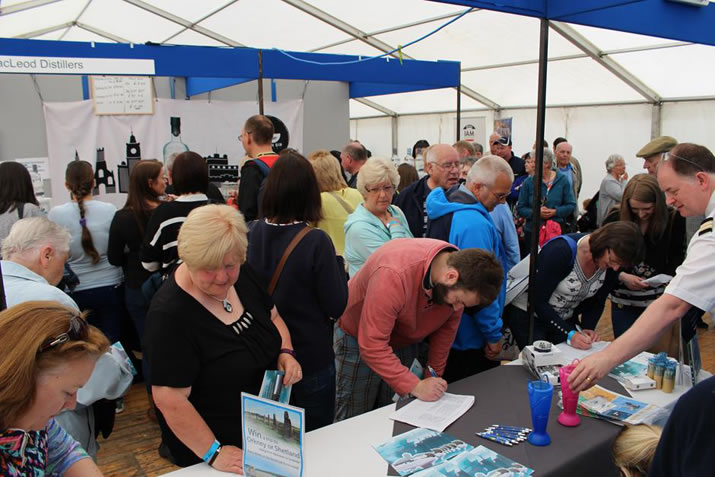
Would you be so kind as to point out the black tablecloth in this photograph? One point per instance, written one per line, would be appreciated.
(501, 397)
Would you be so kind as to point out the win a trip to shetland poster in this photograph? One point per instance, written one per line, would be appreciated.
(272, 438)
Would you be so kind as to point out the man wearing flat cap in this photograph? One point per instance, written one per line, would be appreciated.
(654, 150)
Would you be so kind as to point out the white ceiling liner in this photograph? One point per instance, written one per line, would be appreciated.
(481, 39)
(674, 72)
(437, 100)
(190, 37)
(359, 110)
(38, 18)
(272, 24)
(374, 15)
(613, 40)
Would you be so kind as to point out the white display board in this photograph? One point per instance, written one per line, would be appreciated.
(122, 94)
(206, 127)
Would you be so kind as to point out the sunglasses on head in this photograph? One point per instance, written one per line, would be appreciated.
(668, 156)
(78, 330)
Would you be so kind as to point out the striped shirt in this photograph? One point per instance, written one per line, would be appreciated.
(159, 249)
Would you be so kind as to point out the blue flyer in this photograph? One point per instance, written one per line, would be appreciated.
(420, 449)
(273, 435)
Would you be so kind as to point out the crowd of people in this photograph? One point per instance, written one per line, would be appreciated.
(338, 269)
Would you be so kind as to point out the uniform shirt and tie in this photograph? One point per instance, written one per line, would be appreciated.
(694, 280)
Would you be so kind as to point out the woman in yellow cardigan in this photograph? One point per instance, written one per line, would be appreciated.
(338, 200)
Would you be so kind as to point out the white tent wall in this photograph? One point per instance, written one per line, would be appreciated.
(22, 124)
(325, 112)
(594, 131)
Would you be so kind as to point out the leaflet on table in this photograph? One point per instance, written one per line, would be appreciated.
(479, 461)
(415, 369)
(420, 449)
(633, 368)
(658, 280)
(273, 436)
(618, 408)
(570, 353)
(272, 387)
(436, 415)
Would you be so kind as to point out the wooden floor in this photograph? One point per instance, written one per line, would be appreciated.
(131, 450)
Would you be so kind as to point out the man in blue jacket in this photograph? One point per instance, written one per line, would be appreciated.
(461, 217)
(442, 167)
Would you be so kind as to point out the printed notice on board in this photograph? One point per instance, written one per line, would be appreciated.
(122, 94)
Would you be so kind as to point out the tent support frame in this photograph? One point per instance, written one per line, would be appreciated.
(580, 41)
(374, 42)
(539, 165)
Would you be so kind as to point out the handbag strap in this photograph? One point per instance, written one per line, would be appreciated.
(293, 243)
(342, 202)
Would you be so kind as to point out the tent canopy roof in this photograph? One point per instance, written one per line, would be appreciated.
(652, 60)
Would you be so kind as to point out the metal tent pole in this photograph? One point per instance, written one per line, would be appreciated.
(459, 105)
(260, 81)
(539, 163)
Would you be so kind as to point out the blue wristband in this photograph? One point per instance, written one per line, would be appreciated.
(212, 450)
(570, 335)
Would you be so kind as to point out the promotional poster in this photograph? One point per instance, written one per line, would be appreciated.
(273, 436)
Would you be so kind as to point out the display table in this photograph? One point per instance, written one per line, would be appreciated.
(502, 398)
(346, 448)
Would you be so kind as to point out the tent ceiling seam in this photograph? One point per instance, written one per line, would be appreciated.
(576, 56)
(390, 30)
(21, 7)
(610, 64)
(196, 23)
(183, 22)
(76, 20)
(376, 106)
(100, 32)
(374, 42)
(44, 31)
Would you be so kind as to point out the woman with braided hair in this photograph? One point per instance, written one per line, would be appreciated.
(88, 221)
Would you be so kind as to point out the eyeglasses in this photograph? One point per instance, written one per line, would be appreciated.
(240, 137)
(448, 165)
(386, 189)
(78, 331)
(498, 197)
(667, 156)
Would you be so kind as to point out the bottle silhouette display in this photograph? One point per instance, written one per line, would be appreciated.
(174, 146)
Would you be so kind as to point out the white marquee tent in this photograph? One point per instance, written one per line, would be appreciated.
(608, 92)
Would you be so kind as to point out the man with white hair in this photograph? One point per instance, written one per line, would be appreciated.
(34, 255)
(612, 186)
(461, 217)
(571, 168)
(442, 167)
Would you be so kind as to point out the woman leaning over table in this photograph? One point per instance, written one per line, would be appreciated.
(571, 286)
(49, 352)
(376, 220)
(211, 333)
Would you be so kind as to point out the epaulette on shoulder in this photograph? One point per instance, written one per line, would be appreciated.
(706, 226)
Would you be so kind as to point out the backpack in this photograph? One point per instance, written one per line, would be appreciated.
(265, 170)
(549, 230)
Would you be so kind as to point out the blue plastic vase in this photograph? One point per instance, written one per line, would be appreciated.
(540, 394)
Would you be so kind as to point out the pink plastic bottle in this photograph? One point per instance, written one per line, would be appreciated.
(568, 416)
